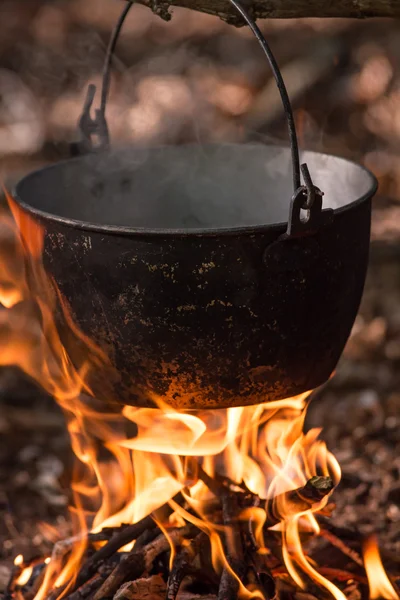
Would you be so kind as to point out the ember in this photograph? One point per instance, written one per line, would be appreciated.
(166, 504)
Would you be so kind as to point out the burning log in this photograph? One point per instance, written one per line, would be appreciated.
(119, 540)
(182, 565)
(282, 506)
(263, 575)
(295, 501)
(229, 586)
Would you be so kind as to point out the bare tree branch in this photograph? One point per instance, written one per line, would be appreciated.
(284, 9)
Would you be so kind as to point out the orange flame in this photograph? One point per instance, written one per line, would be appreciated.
(25, 576)
(18, 560)
(379, 583)
(120, 479)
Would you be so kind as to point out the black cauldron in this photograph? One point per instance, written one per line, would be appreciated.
(204, 278)
(177, 262)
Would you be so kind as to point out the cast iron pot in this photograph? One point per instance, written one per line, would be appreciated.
(182, 264)
(206, 279)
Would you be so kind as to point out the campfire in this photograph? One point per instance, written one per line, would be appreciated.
(228, 503)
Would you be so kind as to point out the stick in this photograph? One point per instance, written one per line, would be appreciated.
(229, 586)
(290, 503)
(182, 565)
(262, 572)
(87, 589)
(137, 562)
(116, 542)
(347, 533)
(341, 575)
(264, 578)
(106, 533)
(120, 539)
(330, 573)
(284, 9)
(282, 506)
(342, 546)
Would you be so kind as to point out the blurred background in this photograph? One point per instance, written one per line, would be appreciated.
(198, 79)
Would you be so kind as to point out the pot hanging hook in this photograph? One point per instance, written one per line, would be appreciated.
(98, 127)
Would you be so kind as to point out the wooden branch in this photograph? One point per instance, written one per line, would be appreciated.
(139, 561)
(283, 9)
(123, 537)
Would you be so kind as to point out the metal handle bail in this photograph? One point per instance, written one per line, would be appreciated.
(305, 197)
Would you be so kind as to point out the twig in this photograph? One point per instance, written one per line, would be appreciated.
(260, 569)
(31, 594)
(146, 537)
(8, 592)
(342, 546)
(88, 588)
(281, 506)
(120, 539)
(216, 487)
(338, 574)
(116, 542)
(106, 533)
(137, 562)
(299, 500)
(182, 565)
(220, 484)
(263, 574)
(229, 586)
(341, 575)
(61, 548)
(348, 533)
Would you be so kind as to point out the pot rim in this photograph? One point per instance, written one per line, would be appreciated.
(121, 230)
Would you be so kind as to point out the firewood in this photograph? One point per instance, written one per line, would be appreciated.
(344, 533)
(342, 575)
(182, 565)
(140, 561)
(229, 586)
(298, 500)
(87, 589)
(263, 575)
(150, 588)
(106, 533)
(342, 546)
(330, 573)
(294, 501)
(120, 539)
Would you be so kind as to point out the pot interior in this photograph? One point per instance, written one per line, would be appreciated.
(187, 187)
